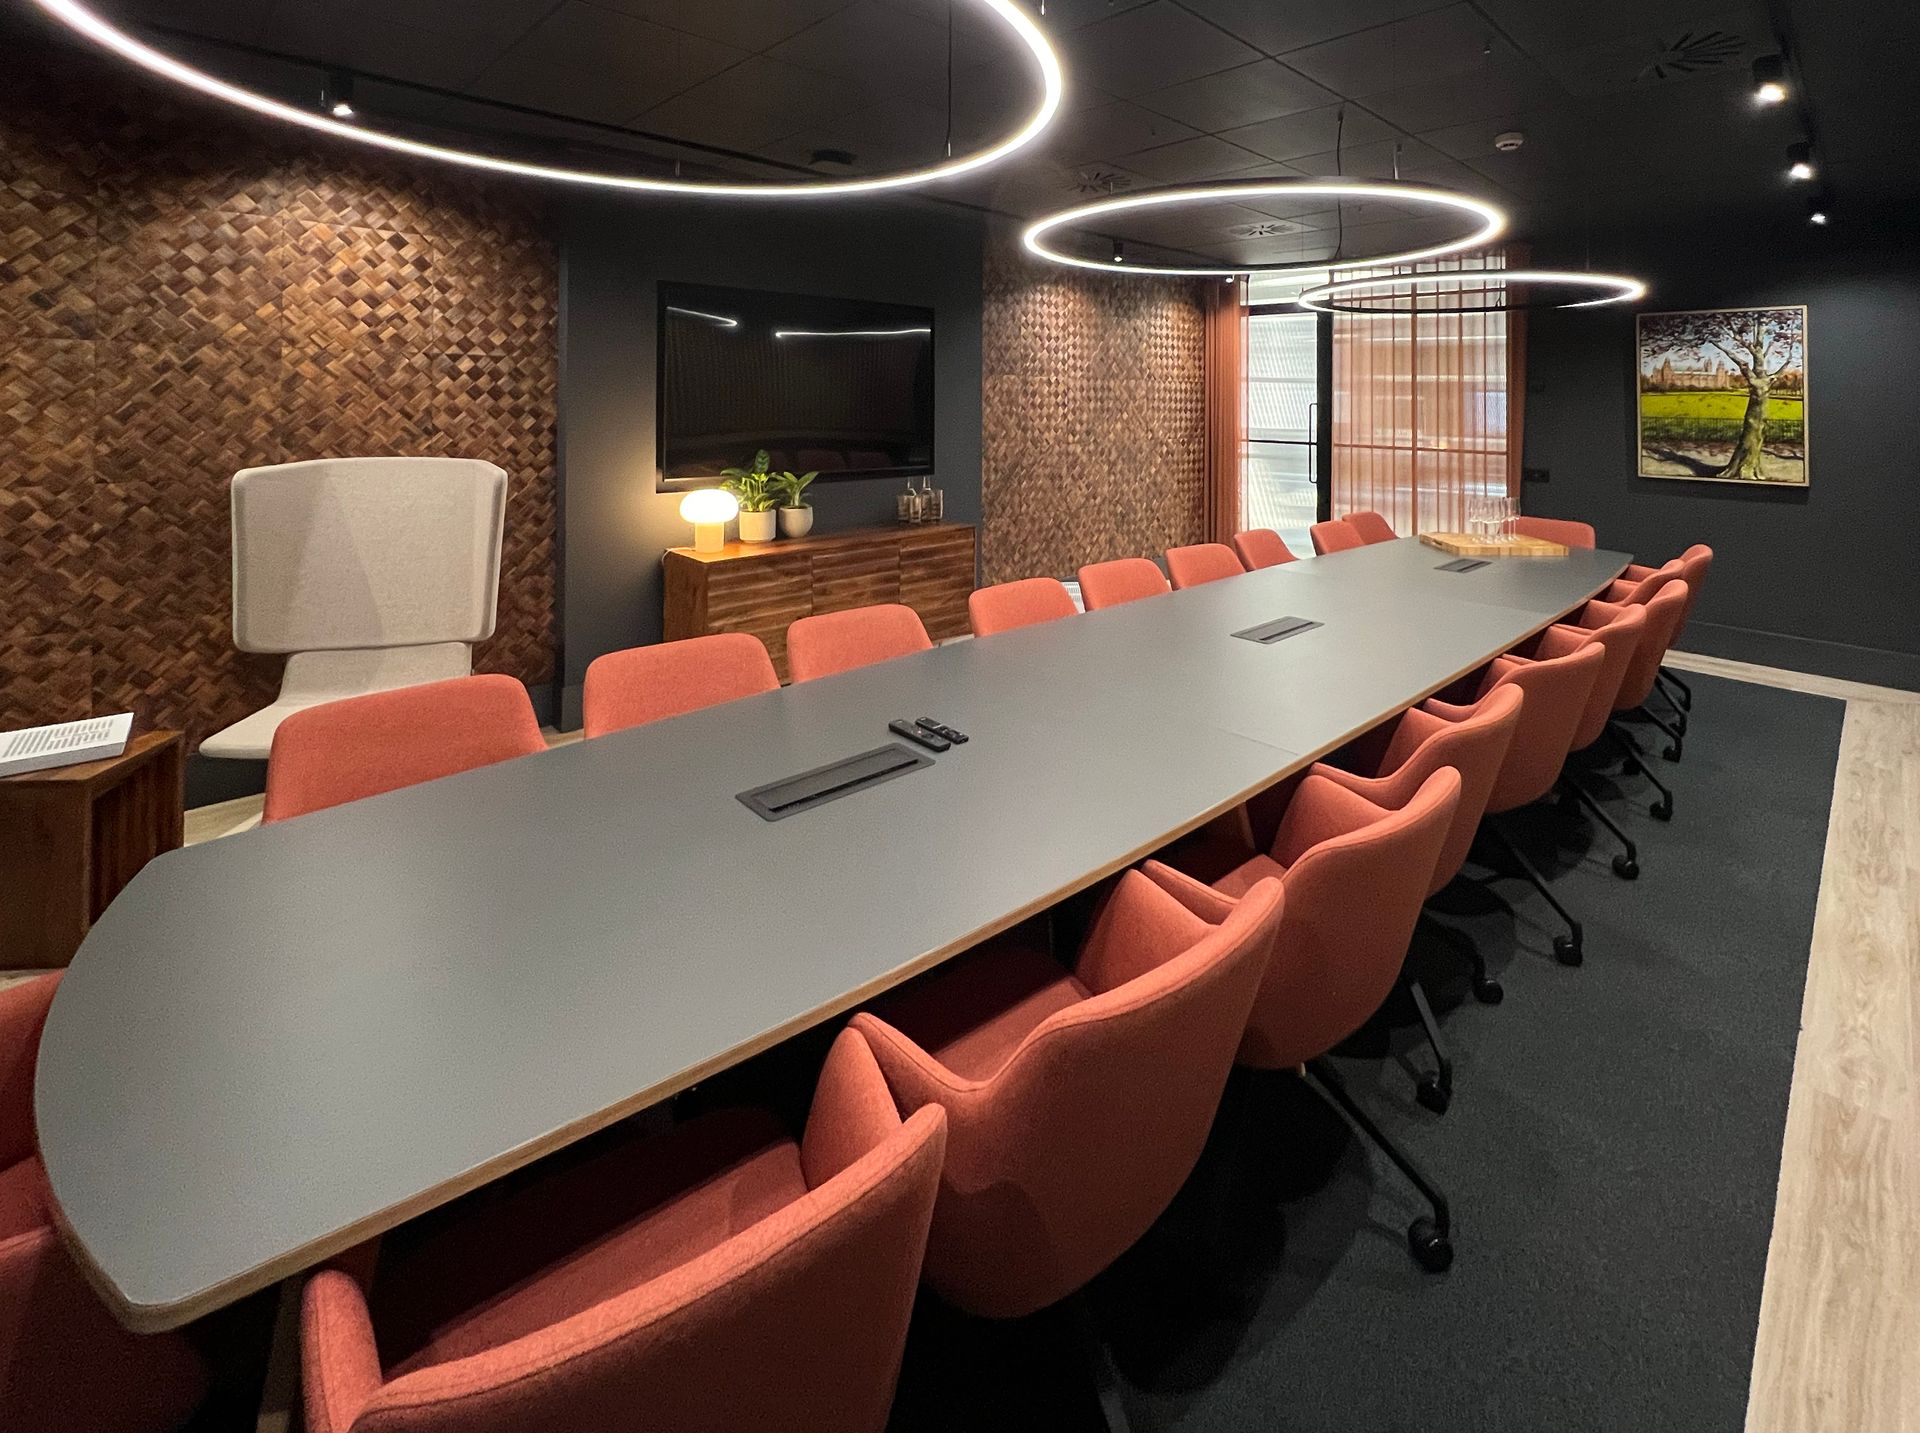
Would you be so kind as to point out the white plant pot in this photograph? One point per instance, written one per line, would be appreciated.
(756, 526)
(796, 522)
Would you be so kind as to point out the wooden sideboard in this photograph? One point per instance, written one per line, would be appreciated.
(760, 587)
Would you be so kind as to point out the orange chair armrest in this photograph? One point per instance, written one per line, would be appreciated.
(23, 1015)
(1203, 900)
(853, 1110)
(1321, 810)
(339, 1358)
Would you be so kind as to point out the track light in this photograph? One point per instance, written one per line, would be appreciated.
(1816, 211)
(336, 95)
(1119, 252)
(1769, 80)
(1800, 161)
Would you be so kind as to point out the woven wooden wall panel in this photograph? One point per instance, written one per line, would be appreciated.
(1094, 416)
(185, 293)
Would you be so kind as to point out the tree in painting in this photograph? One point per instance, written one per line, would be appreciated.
(1734, 376)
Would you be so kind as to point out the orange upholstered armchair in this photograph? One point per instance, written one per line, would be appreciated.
(1007, 605)
(1202, 562)
(1335, 536)
(362, 746)
(1553, 529)
(1125, 579)
(828, 643)
(1354, 875)
(719, 1277)
(1371, 526)
(645, 684)
(64, 1361)
(1260, 547)
(1079, 1099)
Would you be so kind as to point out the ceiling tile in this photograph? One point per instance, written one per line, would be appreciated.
(1310, 132)
(1191, 160)
(747, 24)
(751, 105)
(1439, 44)
(878, 42)
(611, 53)
(1277, 26)
(1503, 86)
(1541, 26)
(1721, 46)
(1107, 129)
(1247, 94)
(1150, 48)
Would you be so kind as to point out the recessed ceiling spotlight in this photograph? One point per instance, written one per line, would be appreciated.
(1412, 293)
(1769, 79)
(1816, 211)
(83, 20)
(336, 95)
(1800, 161)
(1491, 221)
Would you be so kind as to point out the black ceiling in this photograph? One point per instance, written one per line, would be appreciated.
(1631, 109)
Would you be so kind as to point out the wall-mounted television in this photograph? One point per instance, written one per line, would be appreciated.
(843, 387)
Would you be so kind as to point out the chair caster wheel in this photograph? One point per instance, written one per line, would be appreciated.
(1567, 950)
(1672, 753)
(1434, 1095)
(1662, 810)
(1431, 1249)
(1487, 990)
(1626, 868)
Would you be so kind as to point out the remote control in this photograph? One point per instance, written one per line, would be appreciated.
(905, 728)
(940, 728)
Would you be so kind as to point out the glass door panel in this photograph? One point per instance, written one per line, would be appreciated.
(1279, 465)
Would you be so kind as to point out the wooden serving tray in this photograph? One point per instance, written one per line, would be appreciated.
(1459, 544)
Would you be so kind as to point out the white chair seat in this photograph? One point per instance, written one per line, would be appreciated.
(315, 677)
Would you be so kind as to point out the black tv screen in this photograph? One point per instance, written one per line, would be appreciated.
(843, 387)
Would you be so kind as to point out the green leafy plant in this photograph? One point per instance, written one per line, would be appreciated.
(792, 489)
(752, 486)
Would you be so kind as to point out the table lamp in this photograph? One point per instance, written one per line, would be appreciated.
(709, 510)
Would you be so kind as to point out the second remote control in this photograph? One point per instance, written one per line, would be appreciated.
(929, 740)
(940, 728)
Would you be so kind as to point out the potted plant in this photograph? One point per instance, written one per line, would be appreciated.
(758, 497)
(796, 513)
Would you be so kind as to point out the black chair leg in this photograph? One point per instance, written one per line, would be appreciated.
(1429, 1238)
(1486, 989)
(1676, 744)
(1626, 865)
(1679, 713)
(1674, 679)
(1435, 1091)
(1098, 1360)
(1662, 810)
(1568, 949)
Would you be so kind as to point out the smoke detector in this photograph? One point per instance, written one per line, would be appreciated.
(1508, 142)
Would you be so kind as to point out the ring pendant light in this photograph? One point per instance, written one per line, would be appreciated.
(1327, 298)
(1493, 222)
(78, 17)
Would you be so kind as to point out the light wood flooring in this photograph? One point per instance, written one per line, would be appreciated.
(1839, 1339)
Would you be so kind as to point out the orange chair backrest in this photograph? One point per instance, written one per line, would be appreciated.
(1352, 901)
(1202, 562)
(1371, 526)
(644, 684)
(828, 643)
(1553, 529)
(1557, 689)
(362, 746)
(1665, 612)
(1125, 579)
(1334, 536)
(1260, 547)
(1007, 605)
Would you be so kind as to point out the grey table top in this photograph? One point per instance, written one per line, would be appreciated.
(278, 1044)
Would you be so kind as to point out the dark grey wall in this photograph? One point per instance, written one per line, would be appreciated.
(614, 252)
(1823, 579)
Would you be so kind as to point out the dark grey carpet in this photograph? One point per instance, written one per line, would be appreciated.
(1611, 1153)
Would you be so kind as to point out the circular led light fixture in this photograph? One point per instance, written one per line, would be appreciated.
(1492, 222)
(1400, 293)
(78, 17)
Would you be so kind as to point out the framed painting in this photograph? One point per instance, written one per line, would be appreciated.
(1723, 396)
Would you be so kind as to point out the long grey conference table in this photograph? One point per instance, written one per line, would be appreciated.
(276, 1045)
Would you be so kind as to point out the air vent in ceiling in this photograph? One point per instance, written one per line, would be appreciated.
(1691, 53)
(1267, 229)
(1094, 180)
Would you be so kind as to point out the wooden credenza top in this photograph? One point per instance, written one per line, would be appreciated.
(763, 587)
(819, 542)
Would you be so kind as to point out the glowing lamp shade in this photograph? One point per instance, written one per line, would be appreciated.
(709, 510)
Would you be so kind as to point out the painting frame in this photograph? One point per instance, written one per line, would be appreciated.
(1697, 365)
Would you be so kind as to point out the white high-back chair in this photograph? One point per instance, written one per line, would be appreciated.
(370, 573)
